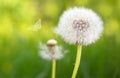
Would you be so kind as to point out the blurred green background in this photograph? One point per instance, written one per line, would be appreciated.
(19, 56)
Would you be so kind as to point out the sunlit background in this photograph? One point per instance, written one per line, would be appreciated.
(19, 56)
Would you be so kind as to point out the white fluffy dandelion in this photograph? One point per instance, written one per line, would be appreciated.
(80, 25)
(51, 50)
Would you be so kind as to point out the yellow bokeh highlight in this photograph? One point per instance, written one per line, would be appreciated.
(6, 31)
(6, 26)
(112, 27)
(9, 3)
(5, 21)
(105, 9)
(51, 9)
(27, 10)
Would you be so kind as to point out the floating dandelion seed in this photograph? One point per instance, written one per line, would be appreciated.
(79, 26)
(36, 26)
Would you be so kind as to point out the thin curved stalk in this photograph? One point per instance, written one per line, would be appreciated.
(77, 63)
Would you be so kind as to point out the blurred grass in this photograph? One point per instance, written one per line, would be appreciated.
(19, 47)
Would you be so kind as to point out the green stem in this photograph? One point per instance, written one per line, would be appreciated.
(53, 68)
(77, 63)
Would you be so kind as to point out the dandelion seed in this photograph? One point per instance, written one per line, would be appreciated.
(36, 26)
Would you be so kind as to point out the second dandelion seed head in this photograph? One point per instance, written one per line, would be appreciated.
(51, 50)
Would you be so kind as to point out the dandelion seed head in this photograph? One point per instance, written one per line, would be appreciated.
(51, 50)
(80, 25)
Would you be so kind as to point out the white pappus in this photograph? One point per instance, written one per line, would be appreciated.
(80, 25)
(51, 50)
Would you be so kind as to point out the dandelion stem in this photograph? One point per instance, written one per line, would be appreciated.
(77, 63)
(53, 68)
